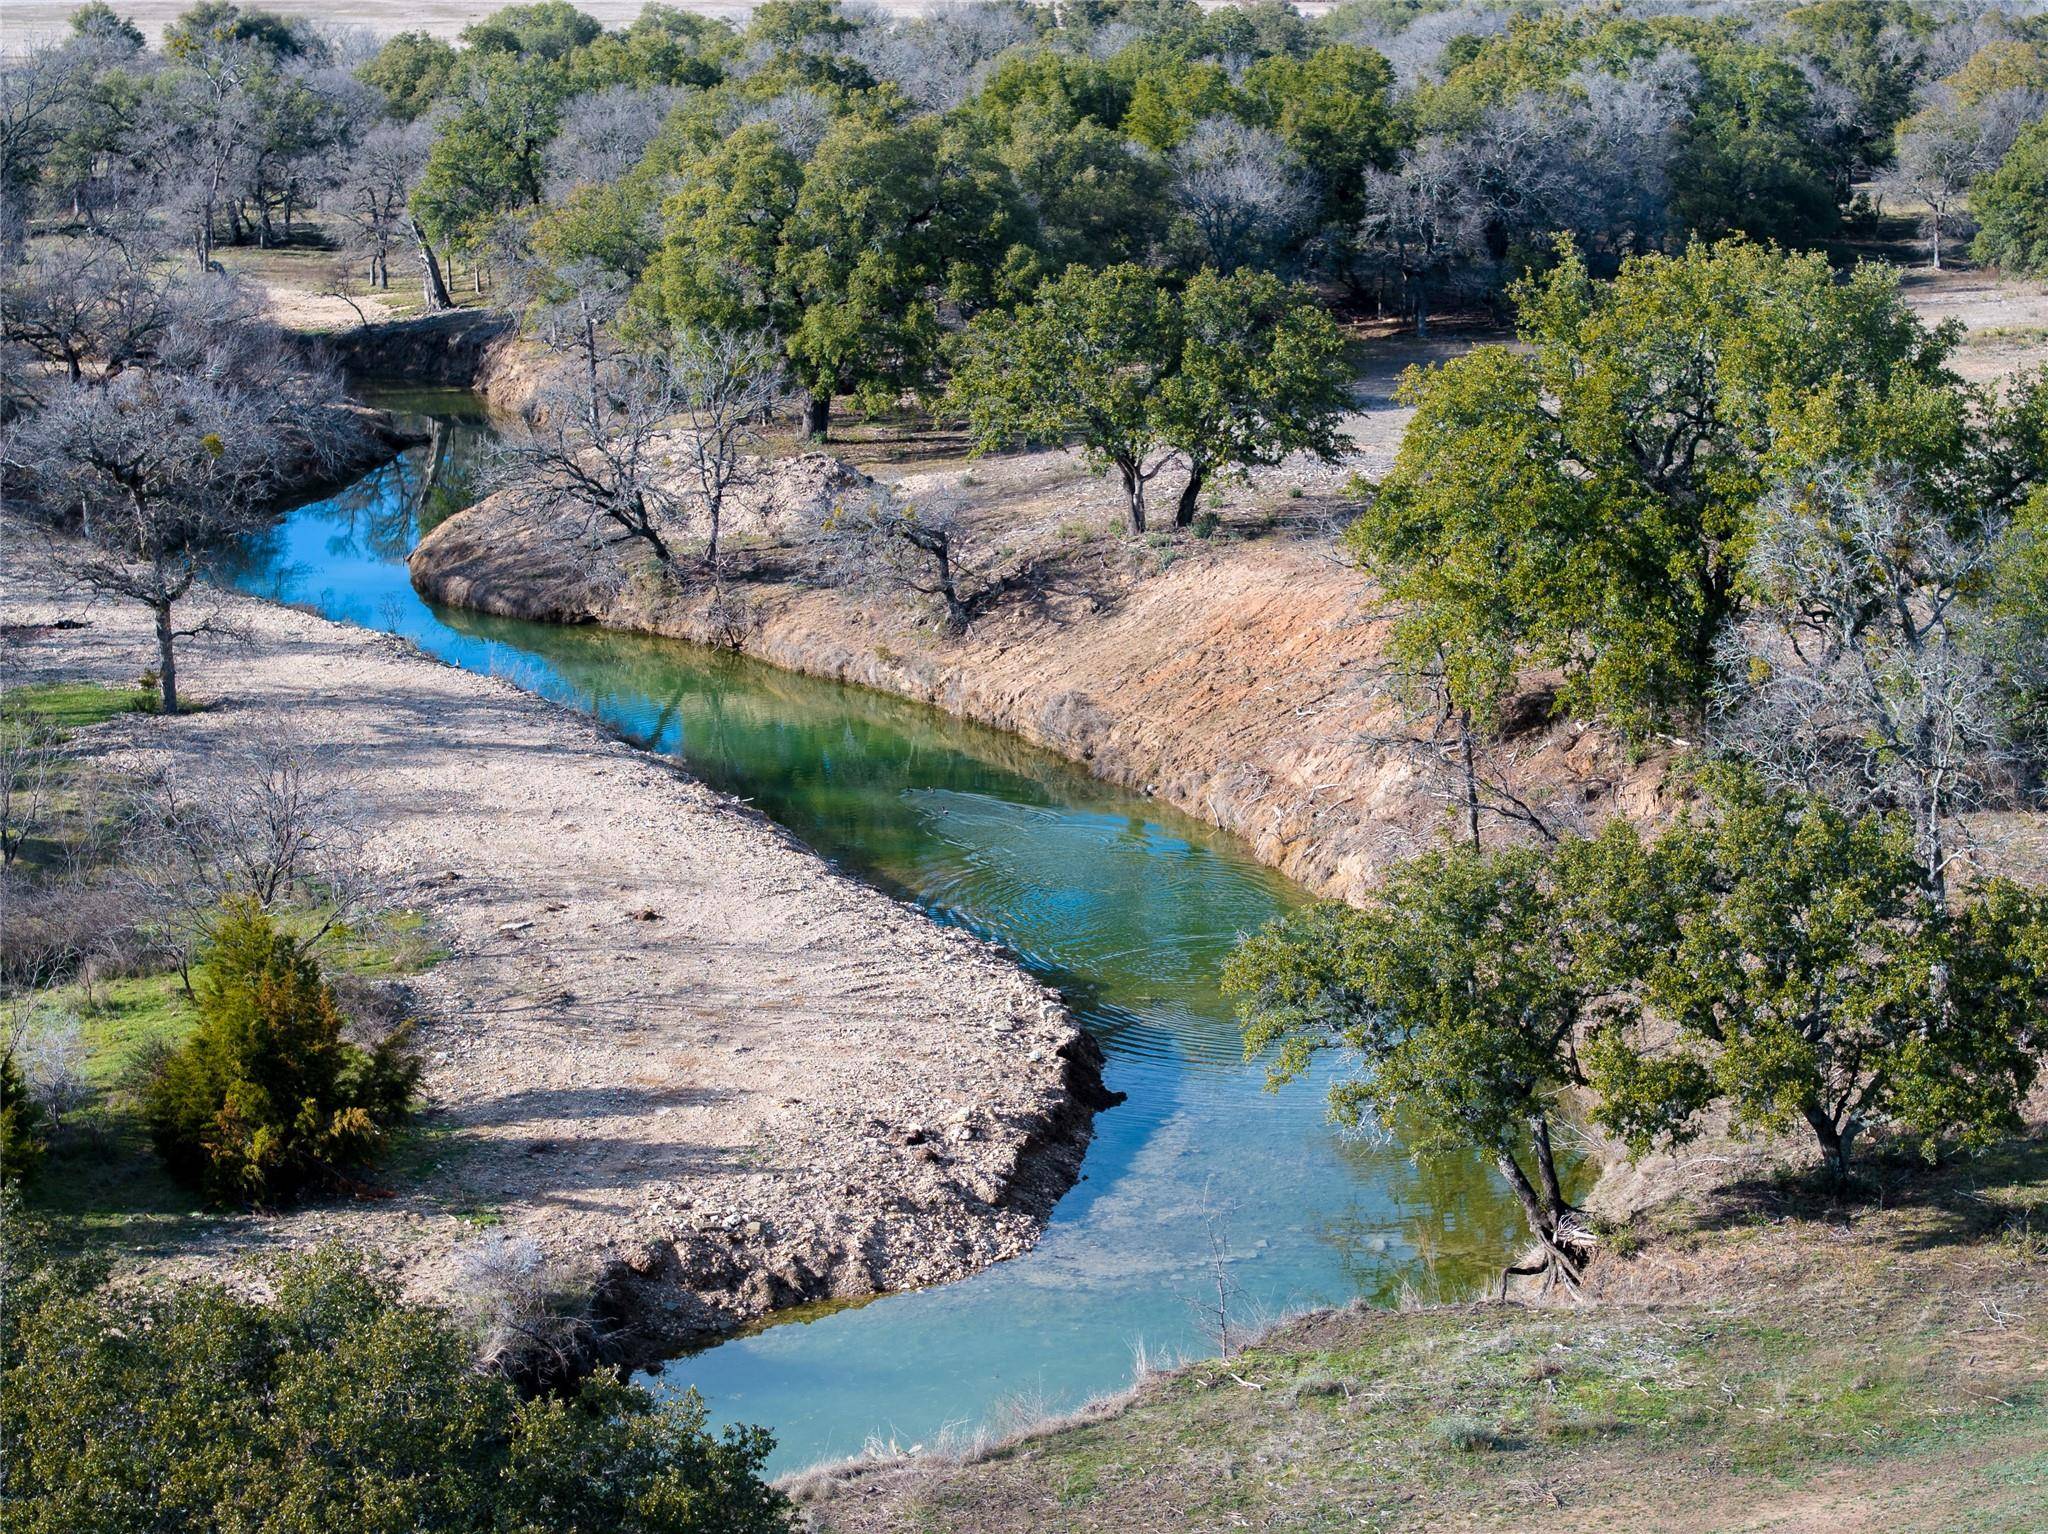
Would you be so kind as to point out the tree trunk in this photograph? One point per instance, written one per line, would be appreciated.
(1190, 495)
(818, 415)
(1471, 774)
(436, 447)
(1540, 1226)
(1134, 495)
(1833, 1142)
(1546, 1168)
(1934, 237)
(433, 289)
(166, 660)
(1421, 307)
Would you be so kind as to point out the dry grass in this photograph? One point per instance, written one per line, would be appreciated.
(1763, 1358)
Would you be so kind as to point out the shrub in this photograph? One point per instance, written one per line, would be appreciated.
(1462, 1435)
(21, 1124)
(332, 1406)
(266, 1099)
(2011, 205)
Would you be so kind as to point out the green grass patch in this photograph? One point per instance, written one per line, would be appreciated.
(103, 1182)
(74, 705)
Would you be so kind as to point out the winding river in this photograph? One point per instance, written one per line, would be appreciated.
(1200, 1182)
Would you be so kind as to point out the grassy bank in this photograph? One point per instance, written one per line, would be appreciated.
(102, 1179)
(1767, 1359)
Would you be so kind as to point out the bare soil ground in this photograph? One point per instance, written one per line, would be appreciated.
(1757, 1358)
(664, 1034)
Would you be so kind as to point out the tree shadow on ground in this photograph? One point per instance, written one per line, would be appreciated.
(1963, 1199)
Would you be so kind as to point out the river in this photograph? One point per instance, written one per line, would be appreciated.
(1201, 1184)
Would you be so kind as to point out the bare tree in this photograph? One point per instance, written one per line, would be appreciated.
(884, 538)
(36, 83)
(47, 1042)
(84, 301)
(1425, 221)
(1465, 754)
(370, 190)
(1939, 153)
(801, 118)
(939, 60)
(520, 1310)
(199, 135)
(1245, 194)
(604, 134)
(272, 821)
(725, 385)
(156, 471)
(599, 439)
(1872, 672)
(29, 773)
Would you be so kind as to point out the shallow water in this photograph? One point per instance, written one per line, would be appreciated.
(1200, 1182)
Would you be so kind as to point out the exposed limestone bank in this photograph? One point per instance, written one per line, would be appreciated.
(706, 1073)
(1235, 683)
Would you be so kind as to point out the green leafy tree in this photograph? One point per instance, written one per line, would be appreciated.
(1167, 102)
(100, 22)
(1053, 86)
(846, 255)
(1872, 48)
(2004, 64)
(1811, 981)
(214, 23)
(1335, 110)
(1095, 201)
(487, 159)
(549, 29)
(412, 72)
(332, 1405)
(1084, 358)
(2011, 205)
(1584, 503)
(266, 1100)
(1746, 161)
(1235, 371)
(1262, 376)
(1461, 986)
(663, 46)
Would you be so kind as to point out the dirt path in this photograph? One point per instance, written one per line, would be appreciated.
(667, 1035)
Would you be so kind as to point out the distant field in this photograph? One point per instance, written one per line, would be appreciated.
(444, 18)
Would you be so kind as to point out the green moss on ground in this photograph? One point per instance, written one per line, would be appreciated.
(1762, 1361)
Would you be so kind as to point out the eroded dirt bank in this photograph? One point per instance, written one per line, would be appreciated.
(1234, 676)
(707, 1073)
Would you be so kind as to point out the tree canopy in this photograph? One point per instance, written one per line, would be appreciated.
(1584, 502)
(1227, 373)
(330, 1404)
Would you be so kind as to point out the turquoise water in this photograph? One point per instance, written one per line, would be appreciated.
(1199, 1178)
